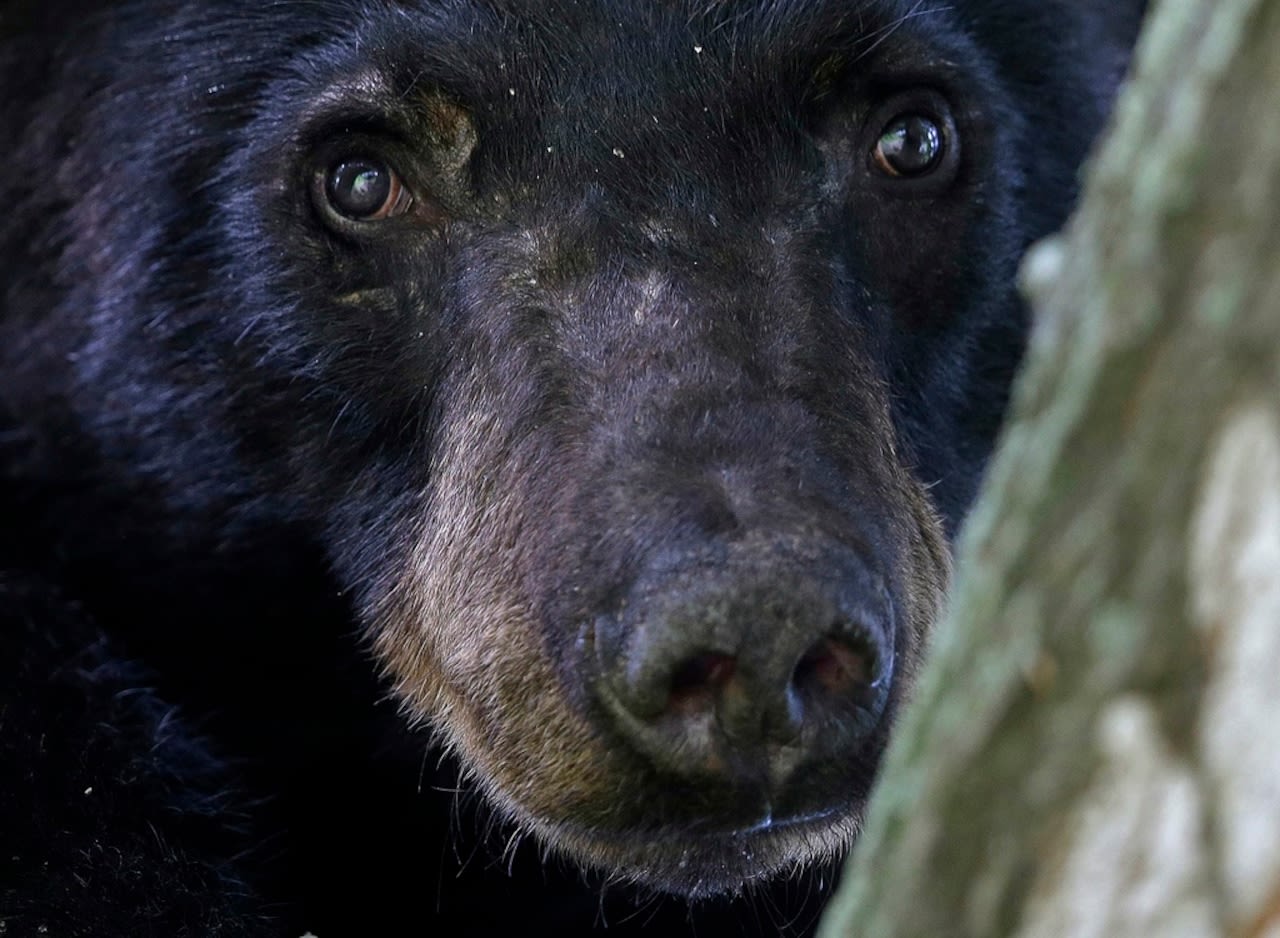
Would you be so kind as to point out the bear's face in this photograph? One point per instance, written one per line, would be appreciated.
(664, 572)
(630, 362)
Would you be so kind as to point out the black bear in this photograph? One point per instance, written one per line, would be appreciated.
(565, 402)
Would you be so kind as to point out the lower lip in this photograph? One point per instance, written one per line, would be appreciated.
(767, 823)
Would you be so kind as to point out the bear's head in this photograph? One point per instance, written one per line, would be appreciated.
(630, 364)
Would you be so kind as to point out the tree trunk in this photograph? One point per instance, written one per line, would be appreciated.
(1095, 749)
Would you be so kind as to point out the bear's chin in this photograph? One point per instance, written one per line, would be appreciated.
(700, 863)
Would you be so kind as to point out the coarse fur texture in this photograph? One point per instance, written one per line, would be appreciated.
(605, 468)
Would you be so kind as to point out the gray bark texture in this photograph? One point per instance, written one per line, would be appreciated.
(1095, 747)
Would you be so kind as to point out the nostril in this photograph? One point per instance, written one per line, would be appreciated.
(837, 666)
(697, 683)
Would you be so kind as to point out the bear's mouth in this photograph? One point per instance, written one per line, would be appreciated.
(701, 860)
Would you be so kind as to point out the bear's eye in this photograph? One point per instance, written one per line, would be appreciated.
(910, 145)
(365, 189)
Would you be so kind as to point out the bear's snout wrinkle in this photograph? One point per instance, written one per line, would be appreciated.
(739, 669)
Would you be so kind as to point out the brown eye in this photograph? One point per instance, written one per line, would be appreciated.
(910, 145)
(365, 189)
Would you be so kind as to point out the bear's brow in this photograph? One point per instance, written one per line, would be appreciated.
(478, 50)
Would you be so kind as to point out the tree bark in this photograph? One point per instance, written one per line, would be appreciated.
(1095, 747)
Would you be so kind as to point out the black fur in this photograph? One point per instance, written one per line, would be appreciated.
(218, 414)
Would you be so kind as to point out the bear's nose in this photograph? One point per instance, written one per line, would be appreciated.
(743, 671)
